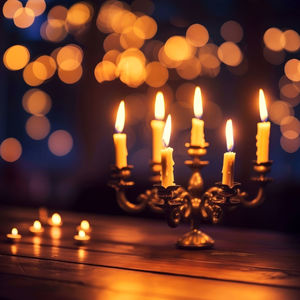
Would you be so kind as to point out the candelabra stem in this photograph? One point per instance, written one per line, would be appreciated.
(128, 206)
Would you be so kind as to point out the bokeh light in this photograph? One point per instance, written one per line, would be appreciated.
(292, 69)
(156, 74)
(292, 40)
(279, 110)
(290, 145)
(10, 150)
(70, 77)
(44, 67)
(24, 17)
(37, 6)
(112, 55)
(197, 35)
(189, 69)
(69, 57)
(177, 48)
(230, 54)
(105, 71)
(79, 14)
(10, 7)
(37, 127)
(16, 57)
(29, 77)
(145, 27)
(232, 31)
(129, 39)
(274, 57)
(112, 41)
(274, 39)
(60, 142)
(36, 102)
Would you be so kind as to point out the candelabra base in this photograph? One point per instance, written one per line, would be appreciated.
(195, 239)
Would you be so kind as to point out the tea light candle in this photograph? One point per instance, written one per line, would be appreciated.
(14, 236)
(120, 138)
(263, 131)
(36, 227)
(85, 226)
(55, 220)
(229, 157)
(197, 133)
(157, 126)
(167, 163)
(81, 238)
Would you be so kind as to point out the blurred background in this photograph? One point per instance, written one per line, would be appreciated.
(67, 64)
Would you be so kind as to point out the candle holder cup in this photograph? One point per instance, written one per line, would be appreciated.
(193, 204)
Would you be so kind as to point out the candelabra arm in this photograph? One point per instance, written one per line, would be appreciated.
(261, 169)
(128, 206)
(120, 185)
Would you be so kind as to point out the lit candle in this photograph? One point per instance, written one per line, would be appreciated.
(167, 163)
(197, 133)
(85, 226)
(81, 238)
(120, 138)
(263, 131)
(36, 227)
(55, 220)
(14, 236)
(157, 126)
(229, 157)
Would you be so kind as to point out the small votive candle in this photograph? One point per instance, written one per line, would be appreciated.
(55, 220)
(37, 227)
(81, 238)
(85, 226)
(14, 236)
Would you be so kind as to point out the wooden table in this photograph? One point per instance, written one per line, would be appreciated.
(131, 258)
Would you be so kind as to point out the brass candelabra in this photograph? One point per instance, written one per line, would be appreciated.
(192, 204)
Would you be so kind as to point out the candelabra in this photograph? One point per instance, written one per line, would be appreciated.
(192, 204)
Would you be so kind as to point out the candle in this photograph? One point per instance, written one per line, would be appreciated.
(197, 133)
(263, 131)
(120, 138)
(55, 220)
(36, 227)
(81, 238)
(14, 236)
(157, 126)
(85, 226)
(229, 157)
(167, 163)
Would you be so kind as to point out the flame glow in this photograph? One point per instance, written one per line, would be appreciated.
(167, 132)
(85, 225)
(14, 231)
(198, 106)
(56, 219)
(120, 120)
(262, 106)
(229, 135)
(81, 233)
(159, 106)
(37, 225)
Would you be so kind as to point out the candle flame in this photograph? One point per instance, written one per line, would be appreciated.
(198, 106)
(37, 225)
(159, 106)
(229, 135)
(85, 225)
(120, 120)
(262, 106)
(81, 233)
(56, 219)
(14, 231)
(167, 132)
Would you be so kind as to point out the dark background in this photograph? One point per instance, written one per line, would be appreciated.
(86, 109)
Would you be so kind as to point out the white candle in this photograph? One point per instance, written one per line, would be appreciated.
(263, 131)
(229, 157)
(120, 138)
(157, 126)
(167, 163)
(197, 132)
(14, 236)
(37, 227)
